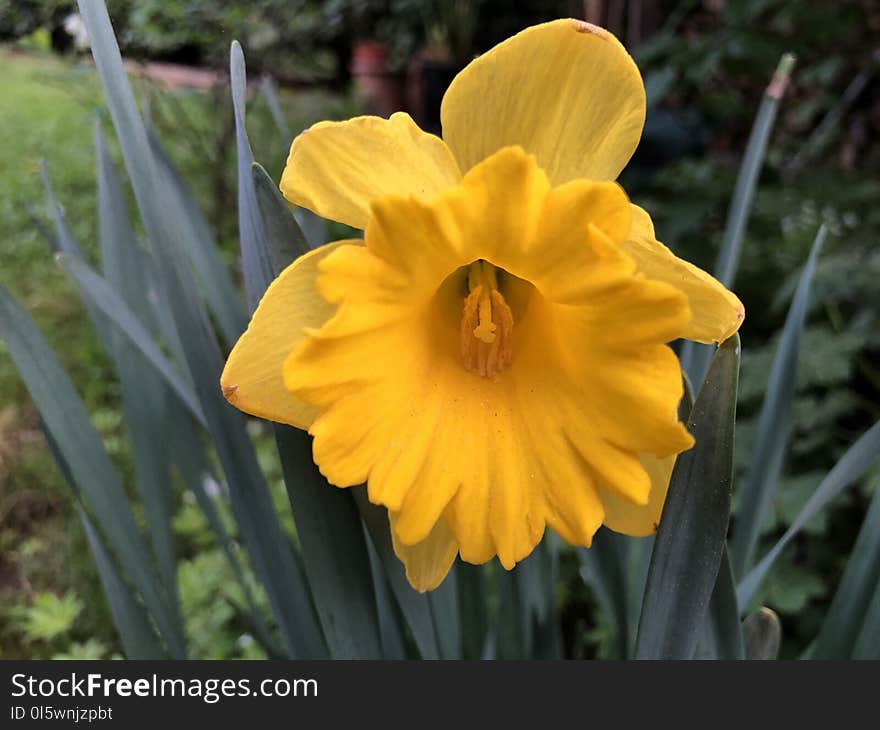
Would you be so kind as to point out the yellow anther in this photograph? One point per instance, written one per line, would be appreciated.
(486, 323)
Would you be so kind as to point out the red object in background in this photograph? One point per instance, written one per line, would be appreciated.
(381, 89)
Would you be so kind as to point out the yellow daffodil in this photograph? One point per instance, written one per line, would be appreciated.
(492, 358)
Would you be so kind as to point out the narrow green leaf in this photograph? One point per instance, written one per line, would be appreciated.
(328, 524)
(851, 467)
(390, 623)
(196, 470)
(77, 441)
(447, 621)
(695, 357)
(255, 261)
(538, 575)
(744, 193)
(867, 644)
(139, 640)
(104, 297)
(413, 605)
(251, 502)
(690, 543)
(473, 607)
(144, 394)
(334, 551)
(722, 631)
(512, 635)
(270, 91)
(201, 248)
(132, 623)
(774, 424)
(763, 634)
(849, 608)
(283, 235)
(605, 568)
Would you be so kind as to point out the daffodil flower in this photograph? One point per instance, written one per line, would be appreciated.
(492, 359)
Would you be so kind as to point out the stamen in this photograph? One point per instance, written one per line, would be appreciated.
(486, 324)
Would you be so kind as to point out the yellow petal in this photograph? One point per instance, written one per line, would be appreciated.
(336, 169)
(566, 91)
(252, 379)
(427, 562)
(716, 312)
(622, 515)
(498, 458)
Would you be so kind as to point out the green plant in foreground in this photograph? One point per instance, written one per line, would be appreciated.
(332, 587)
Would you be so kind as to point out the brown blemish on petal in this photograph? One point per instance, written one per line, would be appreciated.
(229, 392)
(656, 527)
(582, 26)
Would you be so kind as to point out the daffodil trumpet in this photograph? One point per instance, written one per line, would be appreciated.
(492, 358)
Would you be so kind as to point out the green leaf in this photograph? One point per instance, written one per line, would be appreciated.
(414, 606)
(389, 623)
(144, 395)
(334, 551)
(139, 640)
(283, 235)
(695, 357)
(473, 608)
(605, 568)
(99, 294)
(774, 424)
(763, 634)
(538, 575)
(270, 91)
(328, 524)
(447, 621)
(867, 645)
(848, 615)
(689, 545)
(201, 248)
(251, 502)
(722, 632)
(88, 465)
(255, 261)
(848, 470)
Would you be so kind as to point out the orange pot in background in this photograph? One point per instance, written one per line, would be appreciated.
(381, 89)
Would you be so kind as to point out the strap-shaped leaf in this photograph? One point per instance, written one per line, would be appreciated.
(139, 640)
(695, 357)
(66, 419)
(846, 618)
(251, 502)
(334, 551)
(851, 467)
(722, 631)
(283, 235)
(447, 619)
(774, 424)
(201, 248)
(414, 606)
(102, 296)
(473, 607)
(328, 525)
(255, 261)
(690, 542)
(605, 567)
